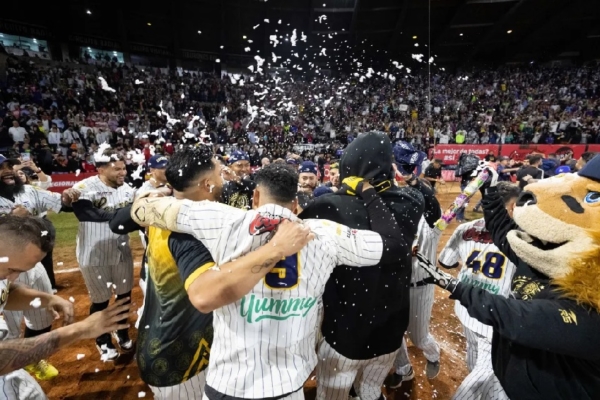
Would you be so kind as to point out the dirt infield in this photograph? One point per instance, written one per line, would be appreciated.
(90, 379)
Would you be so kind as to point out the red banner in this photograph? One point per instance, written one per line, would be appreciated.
(449, 153)
(519, 152)
(60, 182)
(594, 147)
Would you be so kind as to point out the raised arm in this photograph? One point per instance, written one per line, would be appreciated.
(498, 222)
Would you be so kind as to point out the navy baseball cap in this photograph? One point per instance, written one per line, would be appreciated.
(308, 167)
(321, 190)
(158, 161)
(591, 170)
(291, 161)
(238, 156)
(11, 161)
(407, 158)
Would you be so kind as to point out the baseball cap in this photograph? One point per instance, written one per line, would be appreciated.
(591, 170)
(158, 161)
(292, 161)
(407, 158)
(11, 161)
(308, 167)
(238, 156)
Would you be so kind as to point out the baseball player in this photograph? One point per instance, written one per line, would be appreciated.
(104, 258)
(20, 199)
(238, 191)
(265, 317)
(175, 338)
(484, 266)
(421, 303)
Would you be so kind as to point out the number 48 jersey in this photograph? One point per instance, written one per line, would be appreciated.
(483, 266)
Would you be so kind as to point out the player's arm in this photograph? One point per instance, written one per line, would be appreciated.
(366, 248)
(25, 298)
(211, 287)
(17, 353)
(498, 222)
(559, 326)
(122, 223)
(449, 257)
(433, 209)
(86, 212)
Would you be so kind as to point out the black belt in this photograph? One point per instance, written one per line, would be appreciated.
(418, 284)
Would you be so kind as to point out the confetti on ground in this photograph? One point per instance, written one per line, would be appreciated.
(36, 303)
(59, 263)
(80, 356)
(71, 299)
(141, 394)
(97, 370)
(3, 259)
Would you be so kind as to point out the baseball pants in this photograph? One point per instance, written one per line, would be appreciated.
(100, 280)
(421, 302)
(37, 318)
(297, 395)
(481, 383)
(337, 374)
(192, 389)
(19, 385)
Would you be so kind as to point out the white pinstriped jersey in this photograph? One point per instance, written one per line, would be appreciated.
(36, 201)
(96, 243)
(146, 187)
(484, 266)
(427, 240)
(264, 344)
(3, 299)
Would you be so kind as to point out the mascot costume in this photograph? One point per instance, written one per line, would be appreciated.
(544, 343)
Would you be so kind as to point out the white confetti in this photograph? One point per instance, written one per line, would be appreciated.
(59, 263)
(105, 85)
(97, 370)
(77, 172)
(44, 233)
(80, 356)
(141, 394)
(3, 259)
(71, 299)
(255, 26)
(138, 82)
(108, 284)
(36, 303)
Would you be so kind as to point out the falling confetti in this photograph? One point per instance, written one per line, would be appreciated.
(71, 299)
(80, 356)
(59, 263)
(105, 85)
(36, 303)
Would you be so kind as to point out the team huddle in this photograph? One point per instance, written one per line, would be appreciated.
(252, 281)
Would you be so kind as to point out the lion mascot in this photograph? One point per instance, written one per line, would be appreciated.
(546, 334)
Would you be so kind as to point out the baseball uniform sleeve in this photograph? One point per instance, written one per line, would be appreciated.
(122, 223)
(205, 220)
(450, 256)
(567, 327)
(192, 257)
(47, 201)
(86, 212)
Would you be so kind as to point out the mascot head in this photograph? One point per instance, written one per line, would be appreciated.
(560, 237)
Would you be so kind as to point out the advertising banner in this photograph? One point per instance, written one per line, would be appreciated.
(60, 182)
(449, 153)
(519, 152)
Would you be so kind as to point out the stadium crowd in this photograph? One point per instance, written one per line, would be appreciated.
(60, 112)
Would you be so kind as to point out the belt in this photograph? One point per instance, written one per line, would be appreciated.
(418, 284)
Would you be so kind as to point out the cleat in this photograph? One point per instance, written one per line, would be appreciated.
(42, 370)
(108, 352)
(123, 341)
(397, 379)
(433, 369)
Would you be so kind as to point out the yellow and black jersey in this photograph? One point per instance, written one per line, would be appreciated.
(174, 337)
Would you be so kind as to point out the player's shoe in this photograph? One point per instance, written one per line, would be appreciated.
(396, 379)
(107, 350)
(43, 370)
(433, 369)
(123, 341)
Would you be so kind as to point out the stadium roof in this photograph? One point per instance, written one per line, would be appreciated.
(462, 31)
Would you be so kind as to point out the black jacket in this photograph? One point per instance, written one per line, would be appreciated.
(366, 309)
(544, 346)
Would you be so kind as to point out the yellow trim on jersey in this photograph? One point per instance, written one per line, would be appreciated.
(194, 275)
(203, 345)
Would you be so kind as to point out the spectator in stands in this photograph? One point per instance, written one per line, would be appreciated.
(18, 133)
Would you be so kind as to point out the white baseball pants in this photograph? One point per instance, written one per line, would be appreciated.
(421, 302)
(481, 383)
(19, 385)
(37, 318)
(101, 280)
(337, 374)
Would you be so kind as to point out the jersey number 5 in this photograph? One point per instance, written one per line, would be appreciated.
(285, 274)
(492, 266)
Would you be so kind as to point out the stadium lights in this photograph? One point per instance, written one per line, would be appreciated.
(509, 31)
